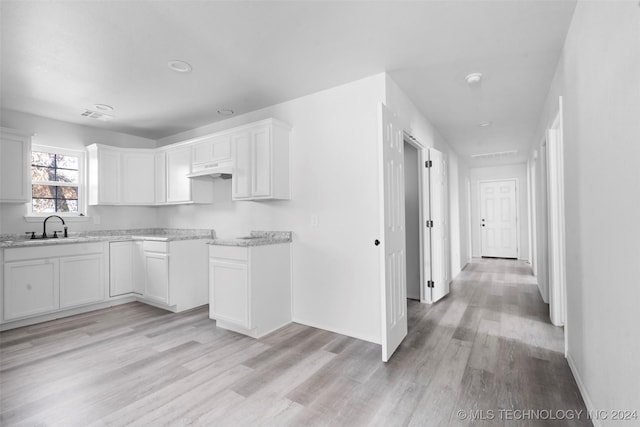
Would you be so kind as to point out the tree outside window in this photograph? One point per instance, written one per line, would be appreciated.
(55, 182)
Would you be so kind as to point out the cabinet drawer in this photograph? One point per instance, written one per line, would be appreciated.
(150, 246)
(229, 252)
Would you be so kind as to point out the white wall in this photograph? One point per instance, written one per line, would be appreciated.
(598, 79)
(336, 283)
(66, 135)
(518, 172)
(420, 128)
(412, 216)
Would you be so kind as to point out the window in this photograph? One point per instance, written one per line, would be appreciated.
(56, 181)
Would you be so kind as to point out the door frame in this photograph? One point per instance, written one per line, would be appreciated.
(423, 156)
(556, 221)
(517, 195)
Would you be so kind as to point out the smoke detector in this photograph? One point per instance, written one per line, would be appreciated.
(96, 115)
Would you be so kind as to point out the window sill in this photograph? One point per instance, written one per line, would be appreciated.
(40, 218)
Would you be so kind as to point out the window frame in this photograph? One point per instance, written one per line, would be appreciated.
(82, 184)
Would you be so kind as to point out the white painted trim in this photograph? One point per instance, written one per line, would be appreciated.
(556, 226)
(422, 156)
(583, 391)
(517, 181)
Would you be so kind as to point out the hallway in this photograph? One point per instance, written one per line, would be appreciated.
(487, 347)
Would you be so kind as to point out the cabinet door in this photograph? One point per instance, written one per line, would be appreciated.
(138, 178)
(120, 268)
(261, 151)
(229, 294)
(178, 166)
(15, 158)
(81, 280)
(212, 150)
(108, 177)
(138, 268)
(161, 177)
(30, 287)
(242, 165)
(156, 268)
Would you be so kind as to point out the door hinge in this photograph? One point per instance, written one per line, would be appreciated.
(429, 223)
(428, 164)
(430, 284)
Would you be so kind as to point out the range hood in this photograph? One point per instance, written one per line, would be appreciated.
(221, 170)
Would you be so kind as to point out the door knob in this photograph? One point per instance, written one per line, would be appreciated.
(376, 242)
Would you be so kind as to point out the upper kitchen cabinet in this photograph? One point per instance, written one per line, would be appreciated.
(210, 151)
(179, 188)
(120, 176)
(104, 175)
(261, 155)
(138, 177)
(15, 161)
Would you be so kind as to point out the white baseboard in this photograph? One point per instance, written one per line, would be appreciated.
(583, 391)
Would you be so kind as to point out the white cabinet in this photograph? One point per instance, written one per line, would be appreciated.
(181, 189)
(175, 273)
(81, 279)
(120, 176)
(30, 288)
(161, 177)
(209, 151)
(250, 288)
(178, 166)
(229, 297)
(120, 268)
(15, 161)
(261, 155)
(137, 267)
(45, 279)
(104, 175)
(138, 178)
(156, 270)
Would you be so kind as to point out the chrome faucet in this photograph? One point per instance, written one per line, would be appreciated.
(44, 226)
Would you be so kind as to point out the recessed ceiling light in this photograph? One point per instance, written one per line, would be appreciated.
(473, 78)
(484, 124)
(225, 112)
(179, 66)
(103, 107)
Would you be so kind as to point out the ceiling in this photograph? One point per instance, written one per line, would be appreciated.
(62, 57)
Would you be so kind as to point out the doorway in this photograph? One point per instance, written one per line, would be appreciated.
(499, 219)
(412, 219)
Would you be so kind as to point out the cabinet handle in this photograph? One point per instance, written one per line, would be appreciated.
(376, 242)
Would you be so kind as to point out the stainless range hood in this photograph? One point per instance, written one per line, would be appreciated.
(221, 170)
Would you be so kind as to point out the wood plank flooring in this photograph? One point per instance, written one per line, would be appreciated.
(488, 346)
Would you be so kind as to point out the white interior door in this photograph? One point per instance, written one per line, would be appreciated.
(439, 284)
(498, 219)
(394, 289)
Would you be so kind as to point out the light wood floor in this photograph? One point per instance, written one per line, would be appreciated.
(487, 346)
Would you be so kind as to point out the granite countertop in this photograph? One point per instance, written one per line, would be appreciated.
(157, 234)
(256, 238)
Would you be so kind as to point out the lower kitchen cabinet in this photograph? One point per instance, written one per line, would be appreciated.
(46, 279)
(120, 268)
(250, 288)
(81, 280)
(30, 288)
(156, 269)
(168, 274)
